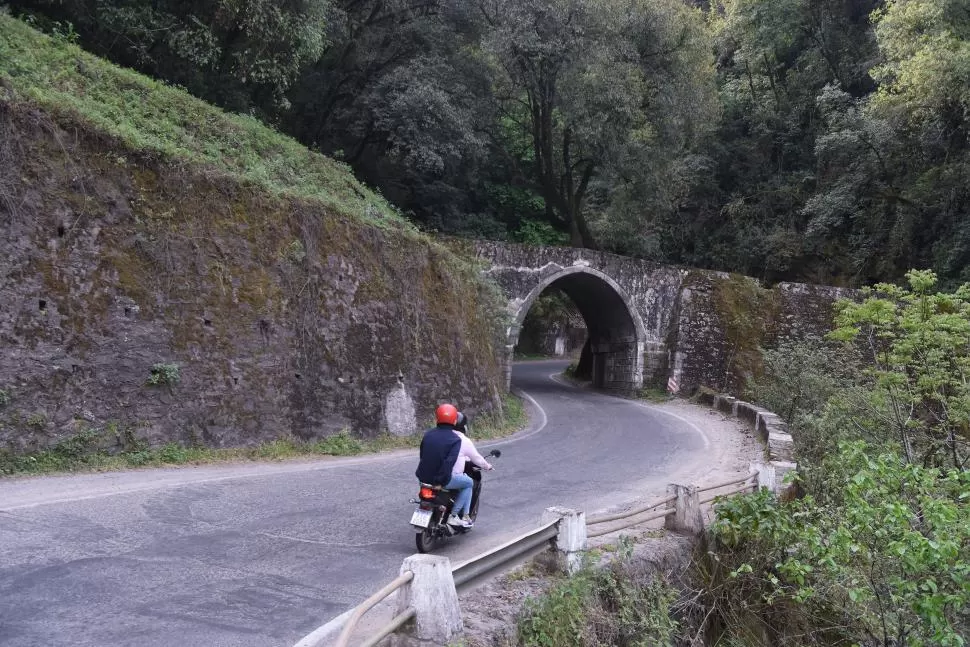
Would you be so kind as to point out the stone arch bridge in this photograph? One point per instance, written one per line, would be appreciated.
(648, 322)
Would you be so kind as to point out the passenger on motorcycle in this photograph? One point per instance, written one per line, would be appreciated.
(468, 452)
(440, 448)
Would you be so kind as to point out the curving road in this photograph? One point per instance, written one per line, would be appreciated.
(260, 555)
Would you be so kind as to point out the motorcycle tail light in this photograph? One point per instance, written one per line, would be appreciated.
(426, 493)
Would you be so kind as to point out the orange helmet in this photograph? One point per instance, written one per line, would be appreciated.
(446, 414)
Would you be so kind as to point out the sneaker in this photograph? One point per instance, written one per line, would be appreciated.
(468, 521)
(455, 520)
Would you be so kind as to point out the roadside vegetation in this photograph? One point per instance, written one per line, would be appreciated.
(870, 548)
(876, 549)
(114, 447)
(617, 602)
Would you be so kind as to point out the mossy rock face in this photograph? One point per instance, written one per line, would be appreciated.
(748, 315)
(725, 321)
(283, 317)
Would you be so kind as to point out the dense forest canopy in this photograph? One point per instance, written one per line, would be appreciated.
(816, 140)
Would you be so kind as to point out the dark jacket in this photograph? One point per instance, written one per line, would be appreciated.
(439, 451)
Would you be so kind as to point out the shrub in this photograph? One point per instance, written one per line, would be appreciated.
(173, 453)
(799, 377)
(164, 374)
(617, 605)
(882, 558)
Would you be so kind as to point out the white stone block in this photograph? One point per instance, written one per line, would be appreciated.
(432, 595)
(686, 515)
(571, 540)
(781, 446)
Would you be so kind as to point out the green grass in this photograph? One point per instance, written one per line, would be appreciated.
(654, 394)
(85, 452)
(161, 121)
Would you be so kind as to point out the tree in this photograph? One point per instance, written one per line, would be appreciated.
(919, 345)
(400, 96)
(926, 71)
(742, 210)
(239, 55)
(583, 91)
(925, 93)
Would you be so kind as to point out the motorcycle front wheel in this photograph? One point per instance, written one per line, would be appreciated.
(424, 541)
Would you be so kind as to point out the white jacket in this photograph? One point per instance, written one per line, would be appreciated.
(468, 453)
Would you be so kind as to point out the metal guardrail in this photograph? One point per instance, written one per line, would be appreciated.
(605, 531)
(527, 545)
(464, 575)
(746, 483)
(372, 602)
(603, 518)
(743, 483)
(389, 628)
(534, 541)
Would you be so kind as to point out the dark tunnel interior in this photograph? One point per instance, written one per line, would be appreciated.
(609, 355)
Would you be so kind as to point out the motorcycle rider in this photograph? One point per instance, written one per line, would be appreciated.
(440, 448)
(468, 452)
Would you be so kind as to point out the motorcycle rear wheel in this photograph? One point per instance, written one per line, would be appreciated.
(424, 541)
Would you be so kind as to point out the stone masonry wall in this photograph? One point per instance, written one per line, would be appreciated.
(279, 318)
(699, 327)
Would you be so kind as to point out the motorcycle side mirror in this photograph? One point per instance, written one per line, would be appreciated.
(495, 453)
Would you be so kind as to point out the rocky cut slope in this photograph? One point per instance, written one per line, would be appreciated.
(171, 272)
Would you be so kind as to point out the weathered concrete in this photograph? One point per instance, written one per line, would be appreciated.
(432, 595)
(747, 412)
(771, 475)
(782, 469)
(770, 428)
(725, 404)
(687, 516)
(781, 446)
(571, 540)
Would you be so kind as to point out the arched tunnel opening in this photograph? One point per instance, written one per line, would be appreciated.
(611, 352)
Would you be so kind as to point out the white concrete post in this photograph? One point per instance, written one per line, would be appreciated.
(782, 468)
(432, 595)
(766, 476)
(571, 540)
(686, 510)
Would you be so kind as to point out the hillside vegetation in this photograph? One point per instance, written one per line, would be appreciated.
(876, 550)
(821, 141)
(165, 122)
(176, 278)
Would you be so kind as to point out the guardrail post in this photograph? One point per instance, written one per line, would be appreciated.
(432, 595)
(571, 540)
(686, 510)
(766, 476)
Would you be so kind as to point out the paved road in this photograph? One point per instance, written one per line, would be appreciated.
(259, 555)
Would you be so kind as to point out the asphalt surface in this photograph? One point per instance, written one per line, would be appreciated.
(260, 555)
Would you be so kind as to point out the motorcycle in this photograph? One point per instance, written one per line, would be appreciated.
(434, 507)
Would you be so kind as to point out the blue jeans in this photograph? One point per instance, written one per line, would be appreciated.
(463, 483)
